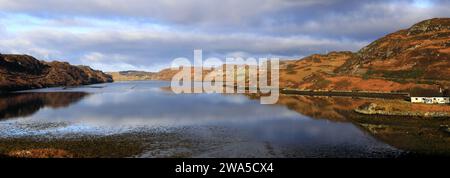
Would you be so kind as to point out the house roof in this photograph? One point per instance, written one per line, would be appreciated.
(429, 93)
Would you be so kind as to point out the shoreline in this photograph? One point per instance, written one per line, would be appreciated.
(436, 115)
(402, 109)
(366, 94)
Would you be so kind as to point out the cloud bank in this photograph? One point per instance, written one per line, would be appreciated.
(147, 35)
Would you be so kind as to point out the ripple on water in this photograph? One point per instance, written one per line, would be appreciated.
(17, 128)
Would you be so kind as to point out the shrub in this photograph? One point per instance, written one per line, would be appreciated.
(322, 83)
(291, 69)
(415, 73)
(343, 83)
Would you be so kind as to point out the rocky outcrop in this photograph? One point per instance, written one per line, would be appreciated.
(19, 72)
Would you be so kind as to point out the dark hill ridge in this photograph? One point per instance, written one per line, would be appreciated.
(19, 72)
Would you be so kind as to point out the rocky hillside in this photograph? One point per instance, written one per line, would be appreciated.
(414, 57)
(19, 72)
(420, 52)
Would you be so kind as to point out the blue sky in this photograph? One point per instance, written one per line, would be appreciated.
(118, 35)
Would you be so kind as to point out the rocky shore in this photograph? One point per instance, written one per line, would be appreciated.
(377, 109)
(21, 72)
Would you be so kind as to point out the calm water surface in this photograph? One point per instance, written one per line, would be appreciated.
(223, 125)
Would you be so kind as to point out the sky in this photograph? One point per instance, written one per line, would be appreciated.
(116, 35)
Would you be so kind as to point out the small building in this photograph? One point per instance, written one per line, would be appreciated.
(429, 96)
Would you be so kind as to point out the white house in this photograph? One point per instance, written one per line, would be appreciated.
(430, 96)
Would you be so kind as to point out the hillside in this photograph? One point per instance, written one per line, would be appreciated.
(310, 72)
(19, 72)
(420, 52)
(414, 57)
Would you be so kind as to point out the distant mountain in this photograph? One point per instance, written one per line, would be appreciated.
(165, 74)
(132, 75)
(19, 72)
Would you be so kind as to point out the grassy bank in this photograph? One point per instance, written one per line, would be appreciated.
(124, 145)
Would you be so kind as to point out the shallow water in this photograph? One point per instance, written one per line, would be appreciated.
(221, 125)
